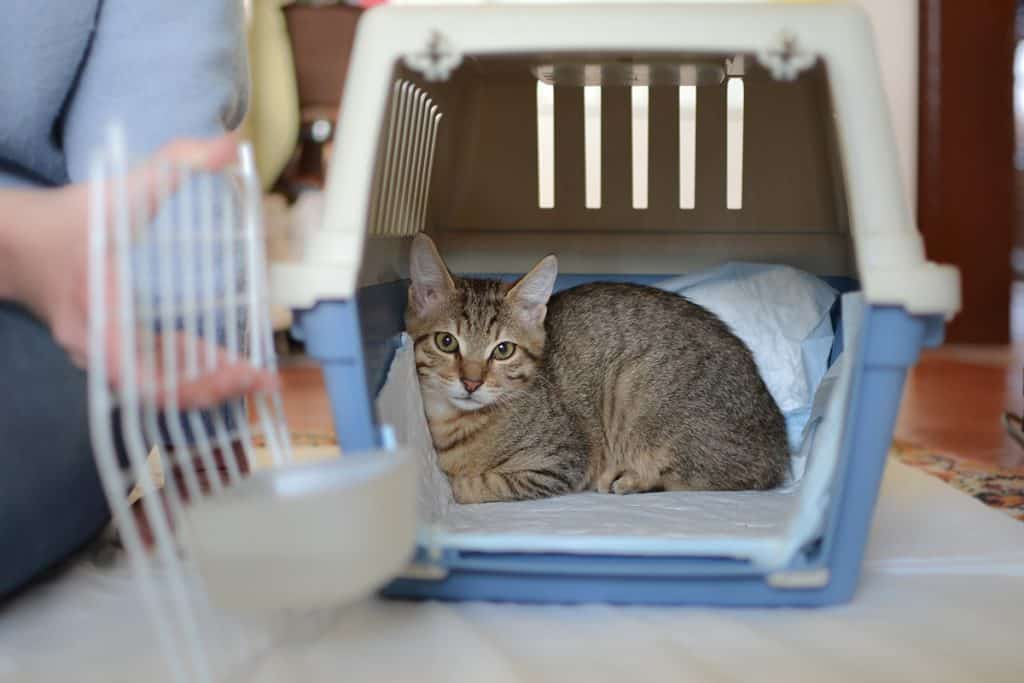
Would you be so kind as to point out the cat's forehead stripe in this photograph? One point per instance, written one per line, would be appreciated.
(481, 302)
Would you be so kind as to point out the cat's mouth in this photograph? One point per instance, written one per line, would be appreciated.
(466, 402)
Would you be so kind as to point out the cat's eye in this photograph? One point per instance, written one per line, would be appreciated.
(503, 351)
(446, 342)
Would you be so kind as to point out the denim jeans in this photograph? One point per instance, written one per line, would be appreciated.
(51, 501)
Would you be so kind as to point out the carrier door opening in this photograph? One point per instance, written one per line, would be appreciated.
(545, 145)
(592, 145)
(639, 100)
(734, 145)
(687, 146)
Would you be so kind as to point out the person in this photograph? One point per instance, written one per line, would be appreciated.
(175, 75)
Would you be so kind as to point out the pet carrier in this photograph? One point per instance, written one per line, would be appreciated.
(635, 142)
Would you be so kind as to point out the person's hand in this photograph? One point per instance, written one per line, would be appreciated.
(50, 265)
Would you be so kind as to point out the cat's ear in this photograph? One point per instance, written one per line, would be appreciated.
(531, 293)
(431, 281)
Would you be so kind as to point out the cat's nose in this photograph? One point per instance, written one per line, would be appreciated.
(471, 384)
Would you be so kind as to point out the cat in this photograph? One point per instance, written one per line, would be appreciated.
(618, 388)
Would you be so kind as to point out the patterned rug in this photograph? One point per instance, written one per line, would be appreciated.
(999, 488)
(1002, 489)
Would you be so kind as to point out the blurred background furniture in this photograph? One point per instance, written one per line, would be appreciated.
(320, 35)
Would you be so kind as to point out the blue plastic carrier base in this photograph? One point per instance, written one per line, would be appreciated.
(824, 571)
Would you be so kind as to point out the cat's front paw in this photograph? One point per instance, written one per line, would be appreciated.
(461, 490)
(467, 490)
(622, 482)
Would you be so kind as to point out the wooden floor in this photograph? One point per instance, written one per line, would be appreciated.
(305, 398)
(955, 397)
(953, 401)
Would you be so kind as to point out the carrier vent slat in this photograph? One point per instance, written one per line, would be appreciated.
(617, 122)
(710, 158)
(411, 148)
(400, 204)
(387, 189)
(402, 142)
(421, 213)
(570, 182)
(415, 168)
(663, 154)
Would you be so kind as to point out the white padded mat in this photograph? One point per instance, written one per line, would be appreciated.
(732, 524)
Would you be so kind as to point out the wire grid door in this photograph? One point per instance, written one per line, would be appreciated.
(177, 292)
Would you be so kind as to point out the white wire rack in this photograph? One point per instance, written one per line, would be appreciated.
(238, 547)
(177, 291)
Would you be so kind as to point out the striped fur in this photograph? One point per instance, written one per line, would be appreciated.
(612, 387)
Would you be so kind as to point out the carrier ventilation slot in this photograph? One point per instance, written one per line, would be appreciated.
(640, 145)
(545, 145)
(687, 146)
(401, 204)
(639, 101)
(734, 144)
(592, 145)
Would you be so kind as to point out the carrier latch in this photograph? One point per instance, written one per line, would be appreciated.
(437, 60)
(788, 61)
(799, 579)
(420, 571)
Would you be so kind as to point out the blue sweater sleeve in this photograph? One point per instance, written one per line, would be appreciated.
(164, 69)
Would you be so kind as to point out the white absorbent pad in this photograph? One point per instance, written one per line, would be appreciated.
(766, 527)
(782, 314)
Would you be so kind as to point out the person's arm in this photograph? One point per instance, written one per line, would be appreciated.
(164, 69)
(24, 219)
(44, 266)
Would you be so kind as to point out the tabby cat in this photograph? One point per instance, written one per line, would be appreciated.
(615, 387)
